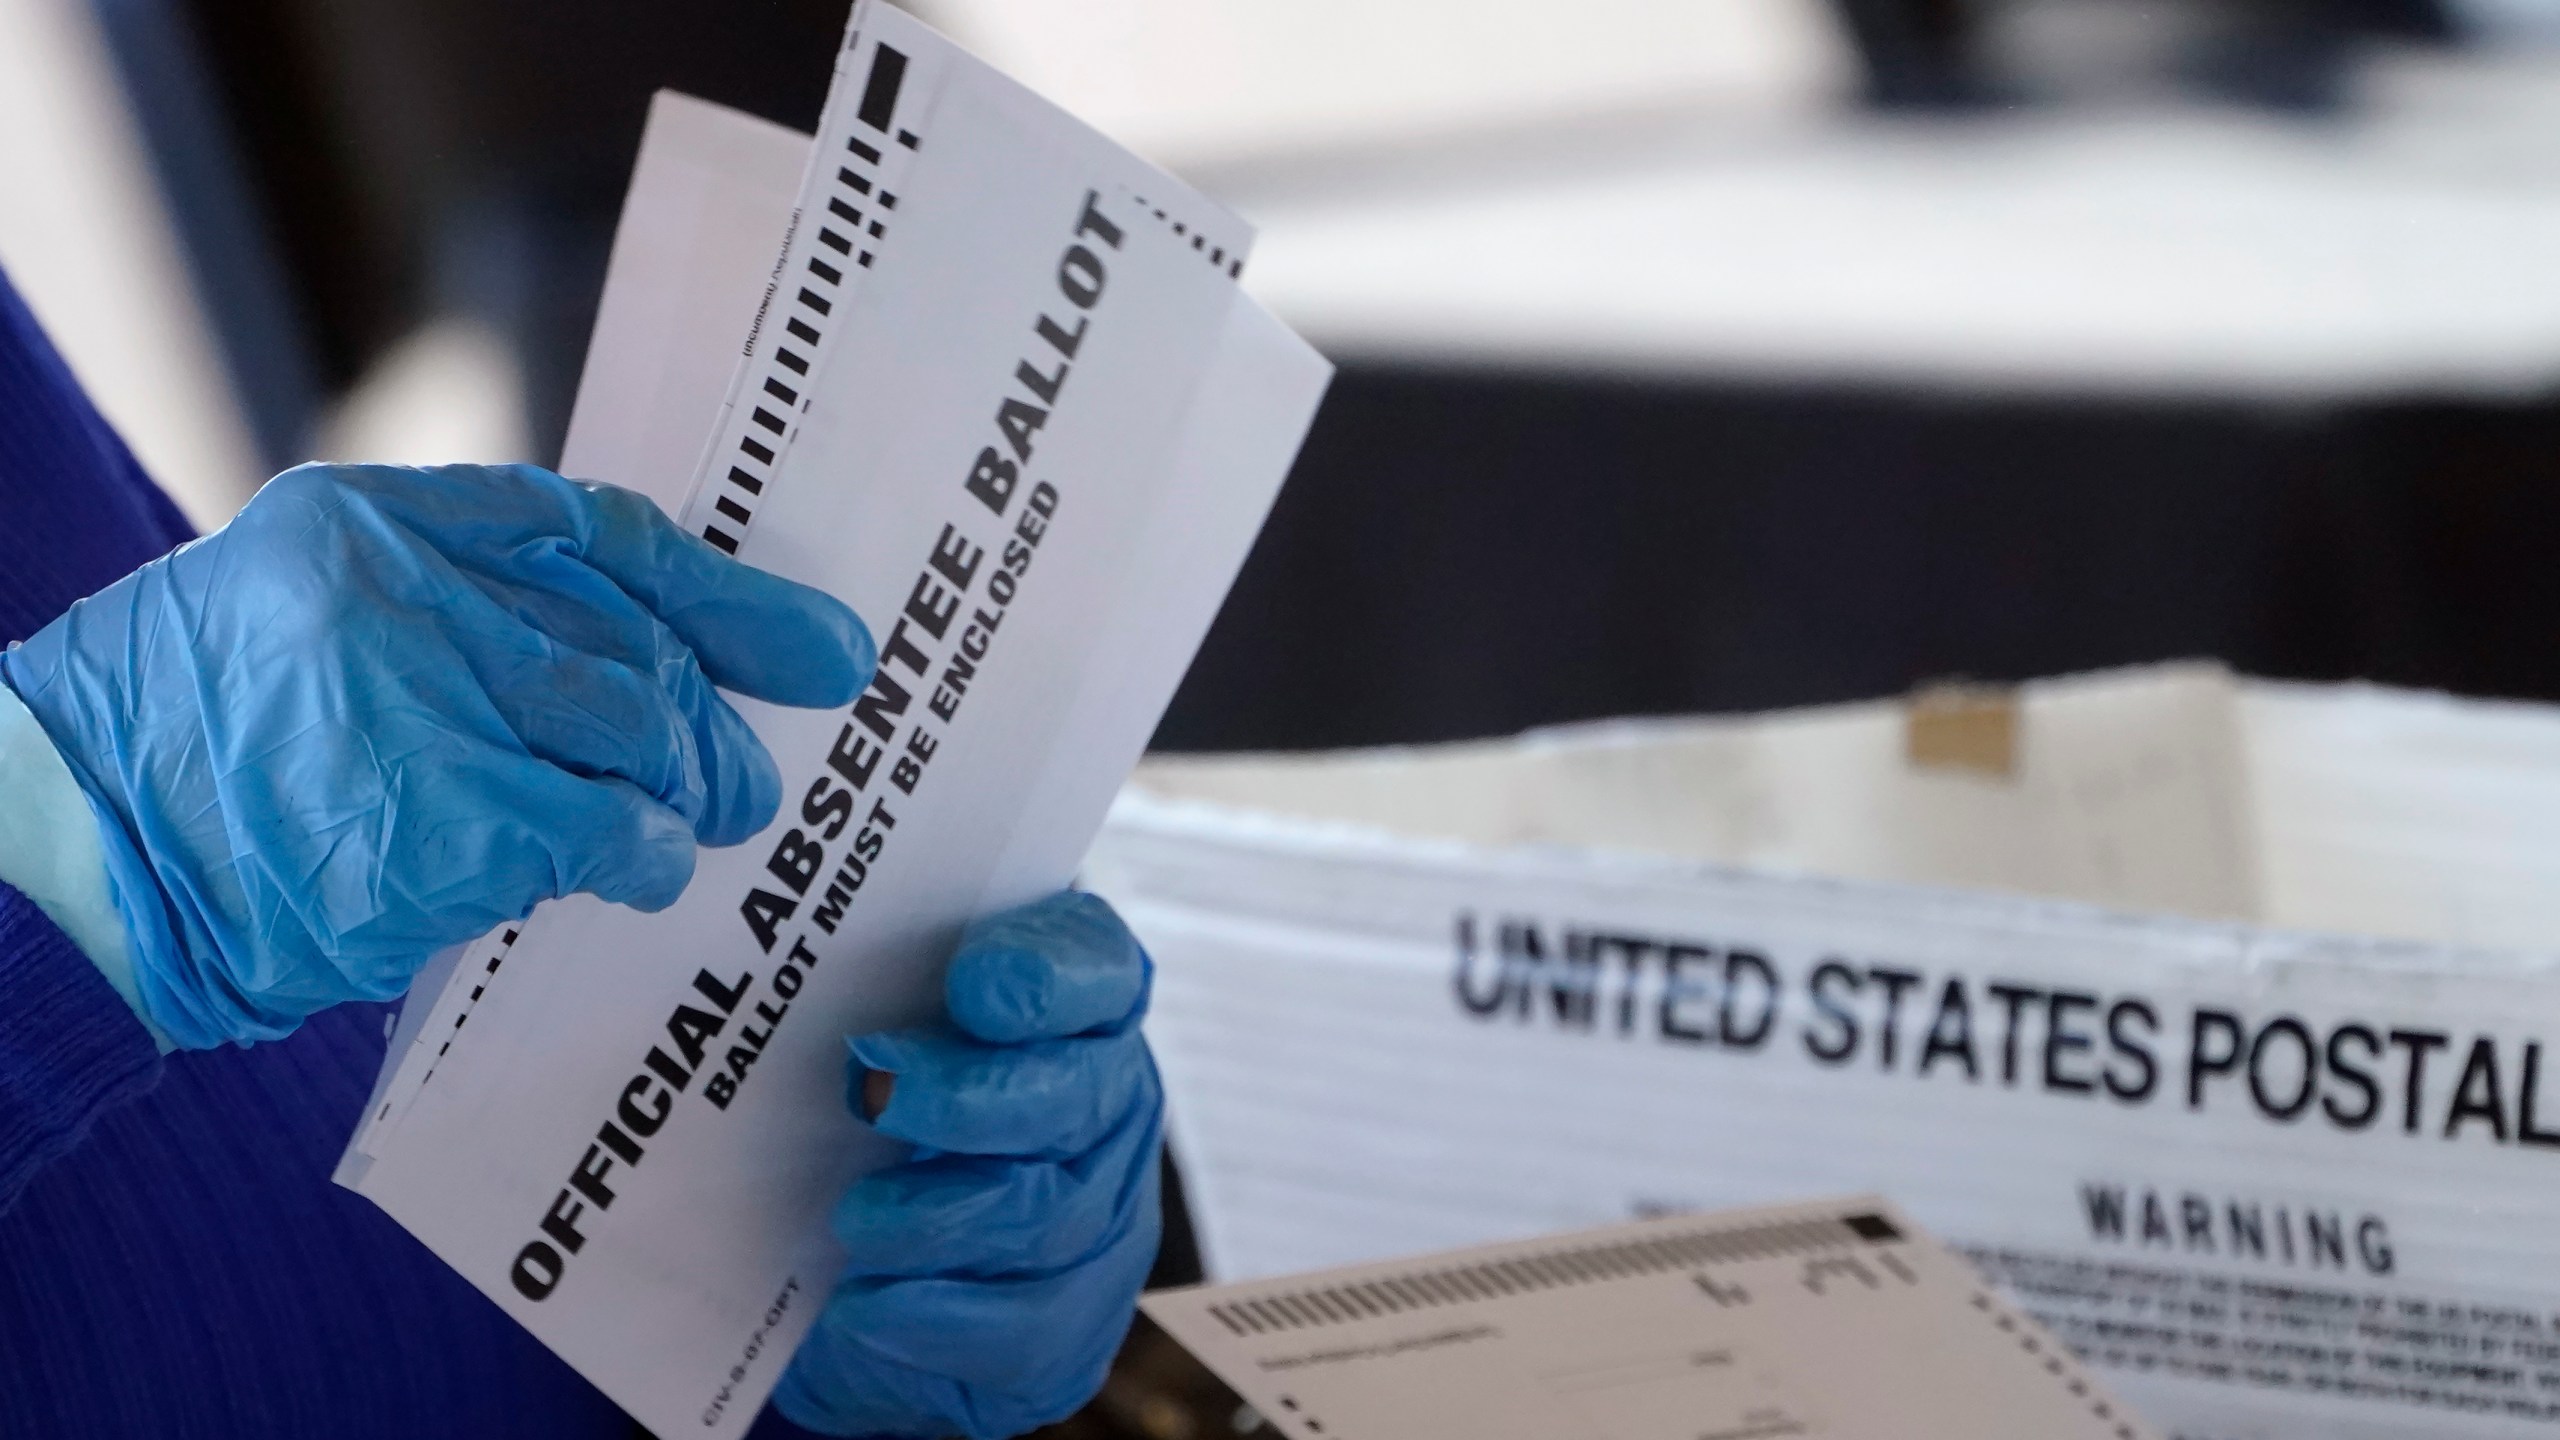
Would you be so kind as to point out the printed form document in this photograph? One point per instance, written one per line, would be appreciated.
(1835, 1319)
(1001, 394)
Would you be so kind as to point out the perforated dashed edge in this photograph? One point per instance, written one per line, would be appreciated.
(2056, 1362)
(489, 962)
(844, 237)
(1216, 255)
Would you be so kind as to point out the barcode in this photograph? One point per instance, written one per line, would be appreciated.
(841, 231)
(1424, 1289)
(847, 210)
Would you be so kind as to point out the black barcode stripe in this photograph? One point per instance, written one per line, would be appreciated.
(880, 90)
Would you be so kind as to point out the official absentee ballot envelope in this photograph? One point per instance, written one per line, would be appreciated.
(1001, 394)
(1837, 1319)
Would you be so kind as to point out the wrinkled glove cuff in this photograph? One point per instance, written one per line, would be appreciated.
(53, 849)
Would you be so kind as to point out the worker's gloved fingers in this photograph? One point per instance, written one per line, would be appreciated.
(743, 787)
(956, 1326)
(527, 831)
(850, 1379)
(681, 741)
(990, 1282)
(386, 709)
(925, 1356)
(463, 511)
(735, 787)
(606, 838)
(597, 720)
(753, 632)
(1061, 966)
(548, 598)
(1050, 1098)
(986, 1216)
(627, 848)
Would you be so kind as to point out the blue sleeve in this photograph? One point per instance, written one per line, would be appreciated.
(76, 514)
(187, 1268)
(69, 1045)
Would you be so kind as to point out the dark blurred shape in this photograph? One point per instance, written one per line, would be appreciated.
(1158, 1392)
(2295, 54)
(202, 152)
(342, 227)
(343, 168)
(1919, 53)
(1464, 554)
(2281, 54)
(468, 155)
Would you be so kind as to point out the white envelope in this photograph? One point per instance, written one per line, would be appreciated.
(1002, 395)
(1835, 1318)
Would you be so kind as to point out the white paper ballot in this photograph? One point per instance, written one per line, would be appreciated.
(1002, 395)
(1837, 1319)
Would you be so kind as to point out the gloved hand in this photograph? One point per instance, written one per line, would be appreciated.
(994, 1273)
(385, 710)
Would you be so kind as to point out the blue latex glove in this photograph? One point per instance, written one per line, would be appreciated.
(385, 710)
(994, 1273)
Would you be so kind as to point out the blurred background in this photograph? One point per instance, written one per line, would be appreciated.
(1696, 356)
